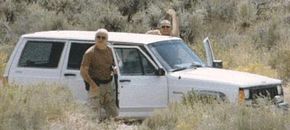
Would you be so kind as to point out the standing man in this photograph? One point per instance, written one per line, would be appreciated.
(97, 71)
(165, 27)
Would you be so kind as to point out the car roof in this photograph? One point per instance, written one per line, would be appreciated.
(122, 37)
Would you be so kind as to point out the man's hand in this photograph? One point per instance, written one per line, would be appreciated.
(114, 69)
(94, 87)
(171, 12)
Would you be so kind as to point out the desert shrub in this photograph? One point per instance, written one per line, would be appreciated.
(246, 14)
(100, 15)
(153, 15)
(183, 5)
(61, 6)
(243, 54)
(258, 69)
(3, 61)
(38, 19)
(130, 7)
(267, 35)
(162, 120)
(191, 26)
(11, 9)
(230, 117)
(280, 61)
(32, 107)
(140, 23)
(5, 32)
(219, 116)
(221, 10)
(45, 107)
(176, 116)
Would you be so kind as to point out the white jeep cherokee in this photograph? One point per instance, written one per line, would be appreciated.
(152, 70)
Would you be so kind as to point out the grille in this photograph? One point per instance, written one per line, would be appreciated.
(263, 91)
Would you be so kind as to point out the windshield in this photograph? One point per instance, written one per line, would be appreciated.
(175, 55)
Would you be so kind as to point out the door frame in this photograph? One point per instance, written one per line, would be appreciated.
(116, 77)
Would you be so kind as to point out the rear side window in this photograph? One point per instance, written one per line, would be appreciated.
(41, 54)
(76, 53)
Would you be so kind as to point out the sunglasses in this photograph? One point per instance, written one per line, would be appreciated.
(102, 37)
(165, 26)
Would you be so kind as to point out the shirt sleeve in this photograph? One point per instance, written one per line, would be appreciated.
(86, 59)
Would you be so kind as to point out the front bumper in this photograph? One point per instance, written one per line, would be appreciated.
(280, 103)
(283, 105)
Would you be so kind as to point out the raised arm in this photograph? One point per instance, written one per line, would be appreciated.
(175, 23)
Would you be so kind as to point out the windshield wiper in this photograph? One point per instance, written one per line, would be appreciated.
(195, 65)
(179, 69)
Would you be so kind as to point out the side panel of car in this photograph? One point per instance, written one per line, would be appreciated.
(36, 61)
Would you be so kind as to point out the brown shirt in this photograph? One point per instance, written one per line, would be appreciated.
(99, 62)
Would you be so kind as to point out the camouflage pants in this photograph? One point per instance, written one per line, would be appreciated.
(105, 98)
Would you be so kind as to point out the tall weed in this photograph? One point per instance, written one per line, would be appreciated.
(3, 61)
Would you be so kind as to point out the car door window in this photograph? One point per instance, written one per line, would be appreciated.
(41, 54)
(132, 62)
(76, 53)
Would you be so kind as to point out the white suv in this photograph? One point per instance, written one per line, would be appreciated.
(152, 70)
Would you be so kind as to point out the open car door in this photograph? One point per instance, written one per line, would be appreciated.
(210, 59)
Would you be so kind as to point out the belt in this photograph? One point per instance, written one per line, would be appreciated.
(99, 81)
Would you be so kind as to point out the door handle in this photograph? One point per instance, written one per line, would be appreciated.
(125, 80)
(69, 74)
(177, 92)
(18, 71)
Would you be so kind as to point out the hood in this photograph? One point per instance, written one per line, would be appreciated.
(242, 79)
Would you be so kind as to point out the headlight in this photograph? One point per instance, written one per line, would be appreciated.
(280, 90)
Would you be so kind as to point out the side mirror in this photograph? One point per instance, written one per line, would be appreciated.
(160, 72)
(217, 64)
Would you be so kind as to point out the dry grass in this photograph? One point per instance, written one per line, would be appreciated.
(52, 107)
(45, 107)
(3, 61)
(218, 116)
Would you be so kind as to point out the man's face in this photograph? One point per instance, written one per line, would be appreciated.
(165, 29)
(101, 38)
